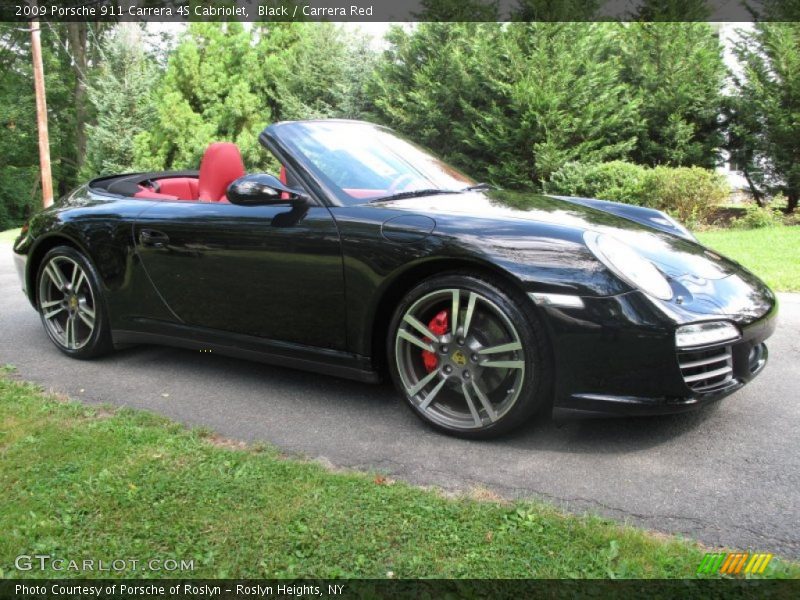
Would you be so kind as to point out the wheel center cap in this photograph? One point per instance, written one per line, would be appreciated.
(73, 302)
(458, 358)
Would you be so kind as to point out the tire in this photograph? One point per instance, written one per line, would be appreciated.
(490, 376)
(71, 304)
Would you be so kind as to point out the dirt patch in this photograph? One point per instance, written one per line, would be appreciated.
(223, 442)
(484, 494)
(723, 216)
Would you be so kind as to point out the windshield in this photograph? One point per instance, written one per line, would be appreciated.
(360, 162)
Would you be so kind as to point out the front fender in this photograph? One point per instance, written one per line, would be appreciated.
(638, 214)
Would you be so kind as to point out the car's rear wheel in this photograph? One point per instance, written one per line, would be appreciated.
(70, 303)
(467, 357)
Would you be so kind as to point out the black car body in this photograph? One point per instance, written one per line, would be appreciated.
(313, 281)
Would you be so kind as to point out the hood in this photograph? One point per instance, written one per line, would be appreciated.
(704, 281)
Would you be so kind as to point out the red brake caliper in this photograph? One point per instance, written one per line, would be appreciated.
(438, 326)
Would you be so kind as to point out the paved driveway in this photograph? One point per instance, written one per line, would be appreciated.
(727, 475)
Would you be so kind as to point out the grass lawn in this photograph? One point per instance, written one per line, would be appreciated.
(8, 236)
(80, 481)
(772, 253)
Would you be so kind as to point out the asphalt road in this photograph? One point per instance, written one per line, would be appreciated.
(726, 475)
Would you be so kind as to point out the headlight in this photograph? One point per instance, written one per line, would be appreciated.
(628, 264)
(704, 334)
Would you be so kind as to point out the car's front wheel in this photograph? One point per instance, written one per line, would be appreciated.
(468, 358)
(70, 303)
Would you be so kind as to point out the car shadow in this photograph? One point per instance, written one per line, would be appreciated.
(605, 435)
(312, 386)
(363, 402)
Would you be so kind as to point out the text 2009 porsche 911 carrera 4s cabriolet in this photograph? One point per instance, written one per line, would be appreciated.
(367, 254)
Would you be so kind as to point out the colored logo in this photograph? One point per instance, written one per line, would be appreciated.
(734, 563)
(459, 358)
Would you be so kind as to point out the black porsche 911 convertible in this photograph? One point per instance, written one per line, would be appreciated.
(369, 255)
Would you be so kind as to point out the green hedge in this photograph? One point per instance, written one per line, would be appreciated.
(687, 193)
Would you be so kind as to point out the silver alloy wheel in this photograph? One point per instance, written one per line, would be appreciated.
(67, 302)
(480, 362)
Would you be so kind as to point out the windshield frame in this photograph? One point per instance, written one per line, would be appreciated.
(283, 134)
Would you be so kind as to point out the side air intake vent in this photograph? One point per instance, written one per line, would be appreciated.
(707, 371)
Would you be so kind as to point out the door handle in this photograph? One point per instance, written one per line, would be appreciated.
(150, 237)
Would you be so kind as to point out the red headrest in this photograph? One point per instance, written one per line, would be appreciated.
(221, 164)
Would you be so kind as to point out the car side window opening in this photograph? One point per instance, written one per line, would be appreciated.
(220, 166)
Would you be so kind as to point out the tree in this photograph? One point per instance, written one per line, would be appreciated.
(207, 94)
(677, 74)
(559, 99)
(458, 10)
(672, 11)
(509, 103)
(766, 138)
(19, 159)
(226, 83)
(120, 94)
(428, 80)
(77, 34)
(559, 11)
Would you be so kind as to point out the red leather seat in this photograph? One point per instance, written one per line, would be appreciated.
(221, 164)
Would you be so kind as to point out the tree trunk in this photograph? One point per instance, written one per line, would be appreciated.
(757, 196)
(77, 41)
(791, 204)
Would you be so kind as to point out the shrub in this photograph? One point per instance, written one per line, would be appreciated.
(756, 217)
(687, 193)
(618, 180)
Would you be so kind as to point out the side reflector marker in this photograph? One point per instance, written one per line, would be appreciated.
(558, 300)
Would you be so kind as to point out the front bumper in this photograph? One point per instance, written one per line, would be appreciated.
(20, 261)
(617, 356)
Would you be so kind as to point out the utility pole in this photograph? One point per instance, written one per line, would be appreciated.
(41, 115)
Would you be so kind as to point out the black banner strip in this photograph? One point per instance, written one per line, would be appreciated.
(366, 11)
(85, 589)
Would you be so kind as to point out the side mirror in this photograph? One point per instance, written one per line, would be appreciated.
(263, 189)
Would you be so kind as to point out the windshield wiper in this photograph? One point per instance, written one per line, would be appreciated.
(414, 194)
(478, 187)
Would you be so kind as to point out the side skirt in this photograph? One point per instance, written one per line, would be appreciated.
(284, 354)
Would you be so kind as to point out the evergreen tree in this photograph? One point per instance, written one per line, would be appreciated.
(677, 74)
(556, 98)
(226, 83)
(431, 80)
(766, 138)
(458, 10)
(509, 103)
(558, 11)
(207, 94)
(120, 94)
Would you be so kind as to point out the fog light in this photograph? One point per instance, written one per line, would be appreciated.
(705, 334)
(757, 358)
